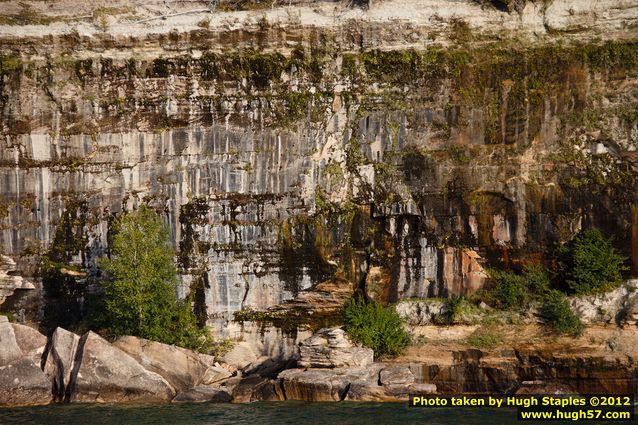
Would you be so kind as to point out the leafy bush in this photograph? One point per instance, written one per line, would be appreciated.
(589, 263)
(536, 279)
(514, 291)
(559, 315)
(459, 310)
(141, 297)
(376, 327)
(509, 290)
(451, 310)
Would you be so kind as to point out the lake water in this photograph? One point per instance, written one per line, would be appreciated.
(256, 414)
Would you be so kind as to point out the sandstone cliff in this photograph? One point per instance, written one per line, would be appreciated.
(398, 147)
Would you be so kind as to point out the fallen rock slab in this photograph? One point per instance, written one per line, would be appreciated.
(105, 374)
(9, 348)
(182, 368)
(60, 361)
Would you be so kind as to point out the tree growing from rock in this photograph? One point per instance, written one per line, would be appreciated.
(589, 263)
(140, 297)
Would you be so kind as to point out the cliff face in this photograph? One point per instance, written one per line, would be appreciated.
(396, 150)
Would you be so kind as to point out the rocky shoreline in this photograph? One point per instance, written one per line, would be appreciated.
(68, 368)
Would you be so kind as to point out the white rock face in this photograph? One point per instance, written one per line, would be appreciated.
(331, 348)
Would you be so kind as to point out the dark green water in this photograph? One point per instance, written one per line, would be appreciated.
(256, 414)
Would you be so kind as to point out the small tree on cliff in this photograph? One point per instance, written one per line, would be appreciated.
(141, 296)
(589, 263)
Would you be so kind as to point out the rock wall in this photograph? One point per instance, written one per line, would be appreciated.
(400, 152)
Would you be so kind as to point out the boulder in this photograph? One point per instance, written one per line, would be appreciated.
(396, 375)
(182, 368)
(60, 360)
(106, 374)
(203, 394)
(214, 374)
(362, 390)
(324, 384)
(331, 348)
(31, 342)
(240, 356)
(397, 383)
(22, 383)
(256, 388)
(9, 348)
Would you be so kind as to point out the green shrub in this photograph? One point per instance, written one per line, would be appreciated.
(451, 309)
(589, 263)
(536, 279)
(141, 297)
(376, 327)
(509, 290)
(459, 310)
(515, 291)
(559, 315)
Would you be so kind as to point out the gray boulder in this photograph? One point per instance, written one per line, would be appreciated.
(215, 374)
(182, 368)
(9, 348)
(60, 360)
(256, 388)
(31, 342)
(324, 384)
(106, 374)
(396, 375)
(396, 383)
(331, 348)
(241, 355)
(22, 383)
(362, 390)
